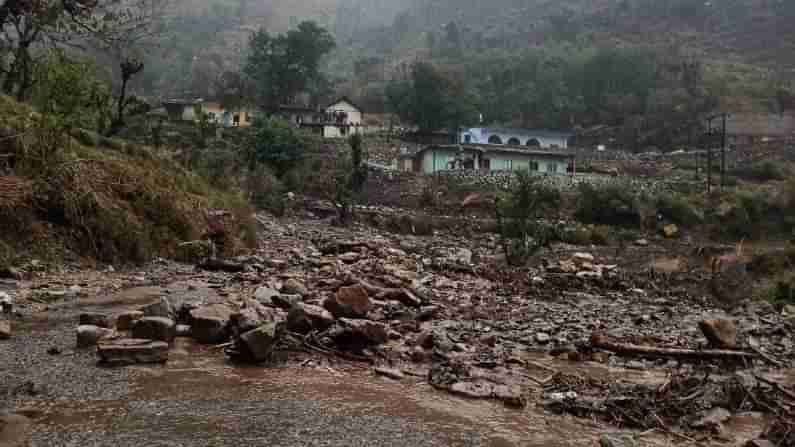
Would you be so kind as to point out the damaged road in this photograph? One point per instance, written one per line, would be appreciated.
(413, 312)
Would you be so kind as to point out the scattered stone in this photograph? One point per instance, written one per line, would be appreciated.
(294, 287)
(349, 302)
(428, 313)
(89, 335)
(408, 298)
(258, 343)
(131, 351)
(617, 441)
(155, 328)
(95, 319)
(53, 350)
(671, 231)
(304, 318)
(5, 329)
(583, 257)
(372, 332)
(720, 334)
(788, 310)
(542, 338)
(208, 323)
(642, 243)
(712, 418)
(125, 321)
(162, 308)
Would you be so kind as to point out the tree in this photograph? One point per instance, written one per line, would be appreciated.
(350, 175)
(430, 100)
(284, 65)
(67, 90)
(277, 144)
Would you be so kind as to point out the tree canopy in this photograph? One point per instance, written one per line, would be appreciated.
(282, 66)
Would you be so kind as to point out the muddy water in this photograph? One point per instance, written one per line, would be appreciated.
(199, 399)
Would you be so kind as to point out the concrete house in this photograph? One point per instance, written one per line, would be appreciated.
(485, 158)
(339, 119)
(545, 139)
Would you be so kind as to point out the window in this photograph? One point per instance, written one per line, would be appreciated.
(248, 117)
(514, 142)
(495, 139)
(533, 165)
(552, 167)
(467, 138)
(508, 165)
(211, 116)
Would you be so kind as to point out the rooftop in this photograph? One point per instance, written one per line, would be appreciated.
(524, 132)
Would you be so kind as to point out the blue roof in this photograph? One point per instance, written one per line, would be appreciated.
(525, 132)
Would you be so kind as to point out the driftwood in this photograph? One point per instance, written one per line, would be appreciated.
(602, 342)
(213, 264)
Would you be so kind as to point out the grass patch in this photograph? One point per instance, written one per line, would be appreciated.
(764, 171)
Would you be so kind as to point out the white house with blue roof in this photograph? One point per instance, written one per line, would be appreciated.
(546, 139)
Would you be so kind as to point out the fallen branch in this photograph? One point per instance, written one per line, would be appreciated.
(602, 342)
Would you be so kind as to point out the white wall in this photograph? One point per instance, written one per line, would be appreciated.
(482, 135)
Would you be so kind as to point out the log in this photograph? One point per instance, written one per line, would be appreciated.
(216, 265)
(627, 349)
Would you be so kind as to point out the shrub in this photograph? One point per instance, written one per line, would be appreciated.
(518, 217)
(277, 144)
(677, 209)
(764, 171)
(782, 292)
(610, 205)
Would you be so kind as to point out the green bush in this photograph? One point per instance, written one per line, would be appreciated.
(518, 217)
(782, 292)
(678, 210)
(610, 205)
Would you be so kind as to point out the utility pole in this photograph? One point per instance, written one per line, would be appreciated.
(711, 140)
(723, 154)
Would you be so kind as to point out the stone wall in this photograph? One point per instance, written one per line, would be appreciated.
(501, 180)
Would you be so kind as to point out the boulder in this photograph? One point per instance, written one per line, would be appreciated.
(253, 316)
(131, 351)
(208, 323)
(162, 308)
(183, 330)
(720, 334)
(788, 310)
(294, 287)
(286, 302)
(125, 321)
(349, 302)
(6, 303)
(304, 318)
(370, 331)
(95, 319)
(258, 343)
(582, 257)
(617, 441)
(89, 335)
(155, 328)
(759, 443)
(671, 231)
(712, 418)
(5, 329)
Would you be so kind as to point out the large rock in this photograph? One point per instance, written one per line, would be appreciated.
(208, 323)
(126, 320)
(720, 333)
(131, 351)
(304, 318)
(155, 328)
(349, 302)
(6, 303)
(95, 319)
(254, 315)
(89, 335)
(285, 301)
(295, 287)
(265, 294)
(371, 332)
(5, 329)
(712, 419)
(162, 308)
(258, 343)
